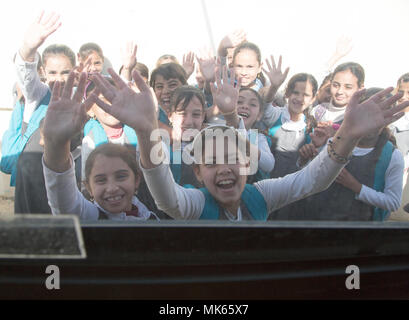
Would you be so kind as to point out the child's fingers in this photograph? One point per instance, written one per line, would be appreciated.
(67, 92)
(279, 63)
(40, 16)
(356, 97)
(81, 87)
(379, 97)
(140, 82)
(55, 96)
(104, 86)
(224, 75)
(273, 62)
(103, 105)
(390, 101)
(286, 72)
(120, 84)
(217, 73)
(91, 100)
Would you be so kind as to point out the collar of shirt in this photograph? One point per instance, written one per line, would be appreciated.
(289, 124)
(402, 124)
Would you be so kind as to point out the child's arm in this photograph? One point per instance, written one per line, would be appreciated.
(266, 160)
(231, 40)
(65, 117)
(26, 60)
(137, 110)
(276, 77)
(226, 95)
(128, 60)
(360, 120)
(390, 198)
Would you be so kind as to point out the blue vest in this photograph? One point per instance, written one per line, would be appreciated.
(251, 197)
(379, 181)
(100, 137)
(14, 141)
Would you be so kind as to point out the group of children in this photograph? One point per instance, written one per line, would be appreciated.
(136, 146)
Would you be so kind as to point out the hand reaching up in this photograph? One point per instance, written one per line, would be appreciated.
(66, 114)
(274, 73)
(226, 94)
(372, 115)
(189, 63)
(37, 33)
(231, 40)
(207, 64)
(137, 110)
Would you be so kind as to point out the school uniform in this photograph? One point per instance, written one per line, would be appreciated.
(271, 194)
(379, 170)
(328, 112)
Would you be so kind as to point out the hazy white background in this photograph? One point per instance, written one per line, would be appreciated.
(304, 32)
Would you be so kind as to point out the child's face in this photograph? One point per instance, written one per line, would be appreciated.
(163, 89)
(248, 107)
(300, 98)
(103, 117)
(96, 64)
(404, 88)
(191, 117)
(246, 66)
(223, 181)
(324, 93)
(57, 68)
(112, 183)
(343, 86)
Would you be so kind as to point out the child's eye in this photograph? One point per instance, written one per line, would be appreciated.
(122, 176)
(197, 115)
(100, 180)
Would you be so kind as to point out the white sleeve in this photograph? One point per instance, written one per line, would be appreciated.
(30, 84)
(271, 115)
(390, 198)
(64, 197)
(176, 201)
(86, 148)
(315, 177)
(267, 160)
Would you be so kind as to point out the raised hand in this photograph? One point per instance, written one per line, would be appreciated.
(226, 94)
(373, 114)
(231, 40)
(189, 63)
(37, 33)
(129, 55)
(344, 46)
(322, 133)
(274, 73)
(307, 152)
(207, 64)
(66, 114)
(137, 110)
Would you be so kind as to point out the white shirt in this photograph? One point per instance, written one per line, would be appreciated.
(390, 198)
(328, 112)
(30, 84)
(182, 203)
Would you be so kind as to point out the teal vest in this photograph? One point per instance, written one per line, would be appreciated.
(379, 181)
(100, 137)
(251, 197)
(14, 141)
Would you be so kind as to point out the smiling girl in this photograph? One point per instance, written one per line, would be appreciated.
(111, 171)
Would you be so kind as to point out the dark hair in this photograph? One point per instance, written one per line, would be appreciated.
(169, 71)
(301, 77)
(355, 68)
(403, 78)
(142, 69)
(164, 57)
(258, 96)
(326, 79)
(186, 94)
(111, 150)
(56, 49)
(253, 47)
(88, 48)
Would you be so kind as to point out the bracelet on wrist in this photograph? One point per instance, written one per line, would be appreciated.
(335, 156)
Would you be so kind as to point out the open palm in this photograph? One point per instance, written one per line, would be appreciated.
(137, 110)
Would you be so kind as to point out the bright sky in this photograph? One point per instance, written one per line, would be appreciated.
(304, 32)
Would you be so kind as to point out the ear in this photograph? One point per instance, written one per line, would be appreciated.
(196, 170)
(88, 187)
(137, 182)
